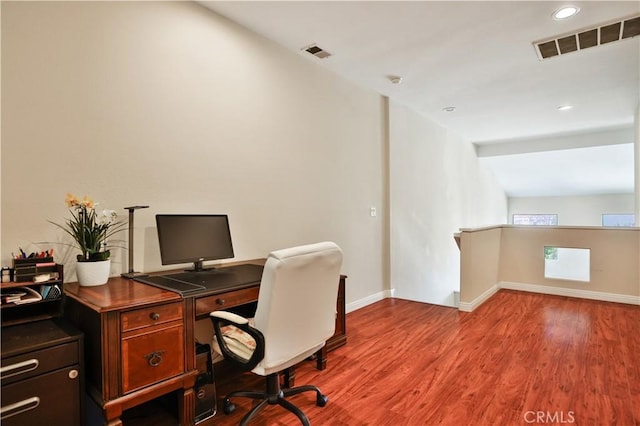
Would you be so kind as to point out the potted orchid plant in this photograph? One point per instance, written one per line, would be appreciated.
(90, 230)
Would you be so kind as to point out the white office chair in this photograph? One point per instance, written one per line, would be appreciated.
(294, 317)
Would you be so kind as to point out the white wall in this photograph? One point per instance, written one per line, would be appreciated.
(574, 211)
(2, 259)
(636, 146)
(437, 186)
(170, 105)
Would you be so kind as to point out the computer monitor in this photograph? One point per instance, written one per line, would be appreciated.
(185, 238)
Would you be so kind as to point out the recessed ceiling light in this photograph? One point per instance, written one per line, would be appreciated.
(449, 109)
(395, 79)
(565, 107)
(565, 12)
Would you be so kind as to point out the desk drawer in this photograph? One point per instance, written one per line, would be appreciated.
(151, 357)
(205, 305)
(145, 317)
(38, 362)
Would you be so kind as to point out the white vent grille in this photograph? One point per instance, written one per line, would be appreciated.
(589, 37)
(317, 51)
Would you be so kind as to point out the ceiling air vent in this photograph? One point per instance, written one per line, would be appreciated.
(588, 37)
(317, 51)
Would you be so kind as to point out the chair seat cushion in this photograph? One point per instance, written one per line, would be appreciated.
(241, 343)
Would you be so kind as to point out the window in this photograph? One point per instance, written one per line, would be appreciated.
(566, 263)
(621, 219)
(535, 219)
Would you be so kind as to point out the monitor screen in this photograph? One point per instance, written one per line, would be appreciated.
(193, 238)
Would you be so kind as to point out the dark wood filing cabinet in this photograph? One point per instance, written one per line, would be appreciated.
(42, 374)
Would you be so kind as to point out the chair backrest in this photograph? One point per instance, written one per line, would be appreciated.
(297, 302)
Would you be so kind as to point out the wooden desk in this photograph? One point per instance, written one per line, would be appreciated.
(140, 341)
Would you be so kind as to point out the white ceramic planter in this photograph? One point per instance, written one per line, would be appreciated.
(93, 273)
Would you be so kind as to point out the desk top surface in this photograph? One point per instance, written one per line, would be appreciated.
(122, 293)
(208, 282)
(37, 335)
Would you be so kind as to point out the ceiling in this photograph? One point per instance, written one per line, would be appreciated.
(480, 58)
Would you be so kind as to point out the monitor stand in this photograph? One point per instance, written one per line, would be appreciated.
(198, 266)
(132, 275)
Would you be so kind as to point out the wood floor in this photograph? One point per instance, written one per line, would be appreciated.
(519, 359)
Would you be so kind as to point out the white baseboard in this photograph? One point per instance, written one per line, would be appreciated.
(543, 289)
(470, 306)
(508, 285)
(560, 291)
(361, 303)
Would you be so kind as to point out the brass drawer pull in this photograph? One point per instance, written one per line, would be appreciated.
(154, 358)
(154, 316)
(19, 368)
(220, 302)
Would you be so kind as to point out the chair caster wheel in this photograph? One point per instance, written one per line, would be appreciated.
(229, 407)
(321, 400)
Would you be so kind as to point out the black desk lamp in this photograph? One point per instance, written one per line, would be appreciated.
(131, 274)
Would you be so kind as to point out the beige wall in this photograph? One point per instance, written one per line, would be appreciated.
(437, 186)
(614, 270)
(637, 162)
(585, 210)
(170, 105)
(614, 257)
(480, 260)
(637, 171)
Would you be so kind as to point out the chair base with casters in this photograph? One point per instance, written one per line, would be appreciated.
(274, 395)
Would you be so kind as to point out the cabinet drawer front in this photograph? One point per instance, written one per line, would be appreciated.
(205, 305)
(42, 361)
(153, 315)
(48, 399)
(149, 358)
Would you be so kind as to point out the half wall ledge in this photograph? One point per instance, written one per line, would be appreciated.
(513, 257)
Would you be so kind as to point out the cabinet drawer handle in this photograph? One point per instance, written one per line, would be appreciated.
(155, 316)
(19, 407)
(21, 367)
(154, 358)
(220, 302)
